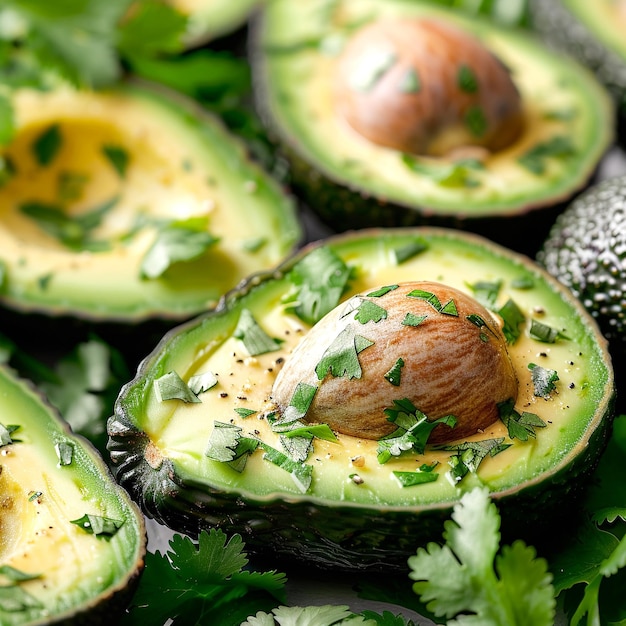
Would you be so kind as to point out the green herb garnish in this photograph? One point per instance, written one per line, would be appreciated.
(6, 434)
(254, 338)
(301, 473)
(13, 599)
(535, 159)
(544, 333)
(47, 145)
(368, 311)
(476, 121)
(171, 386)
(409, 250)
(101, 527)
(544, 380)
(486, 292)
(65, 452)
(395, 373)
(424, 474)
(15, 575)
(341, 357)
(410, 82)
(176, 242)
(469, 455)
(118, 157)
(410, 319)
(71, 186)
(244, 413)
(320, 279)
(466, 79)
(383, 291)
(454, 174)
(202, 382)
(447, 309)
(513, 318)
(519, 425)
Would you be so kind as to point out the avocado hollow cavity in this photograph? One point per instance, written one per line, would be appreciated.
(422, 340)
(425, 87)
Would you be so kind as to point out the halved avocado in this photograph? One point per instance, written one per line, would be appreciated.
(131, 204)
(203, 436)
(209, 19)
(72, 542)
(300, 53)
(592, 33)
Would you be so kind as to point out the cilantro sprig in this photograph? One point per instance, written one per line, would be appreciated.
(470, 578)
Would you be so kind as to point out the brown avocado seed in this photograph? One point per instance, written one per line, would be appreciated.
(424, 341)
(427, 88)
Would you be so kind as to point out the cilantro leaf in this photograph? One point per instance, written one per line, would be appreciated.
(467, 577)
(320, 279)
(326, 615)
(171, 386)
(543, 379)
(369, 311)
(301, 473)
(512, 317)
(202, 582)
(254, 338)
(341, 357)
(470, 454)
(176, 242)
(98, 525)
(544, 333)
(519, 425)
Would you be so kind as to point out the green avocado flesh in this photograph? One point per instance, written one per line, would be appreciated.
(340, 505)
(209, 19)
(52, 569)
(130, 204)
(568, 121)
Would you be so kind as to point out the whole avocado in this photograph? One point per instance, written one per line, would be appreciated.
(586, 250)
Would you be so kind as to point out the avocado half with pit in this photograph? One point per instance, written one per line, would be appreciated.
(336, 409)
(210, 19)
(72, 543)
(131, 204)
(592, 33)
(397, 113)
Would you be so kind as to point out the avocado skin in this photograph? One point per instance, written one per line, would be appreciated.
(586, 251)
(562, 30)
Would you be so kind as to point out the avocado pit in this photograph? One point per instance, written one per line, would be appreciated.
(422, 340)
(427, 88)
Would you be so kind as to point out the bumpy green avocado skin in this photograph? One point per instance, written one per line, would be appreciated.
(586, 250)
(563, 30)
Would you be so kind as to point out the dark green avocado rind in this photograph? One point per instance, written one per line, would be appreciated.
(328, 534)
(128, 546)
(586, 251)
(562, 28)
(516, 221)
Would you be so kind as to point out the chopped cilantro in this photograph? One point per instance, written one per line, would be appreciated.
(97, 525)
(6, 434)
(558, 147)
(486, 292)
(410, 319)
(321, 431)
(544, 380)
(410, 81)
(469, 455)
(171, 386)
(466, 79)
(320, 279)
(476, 121)
(243, 412)
(447, 309)
(65, 452)
(71, 185)
(461, 173)
(47, 145)
(202, 382)
(118, 157)
(512, 317)
(301, 473)
(176, 242)
(409, 250)
(383, 291)
(341, 357)
(227, 445)
(544, 333)
(73, 231)
(424, 474)
(254, 338)
(369, 311)
(523, 282)
(519, 425)
(394, 374)
(300, 402)
(412, 432)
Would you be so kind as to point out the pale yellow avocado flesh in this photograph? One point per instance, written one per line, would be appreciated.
(179, 431)
(179, 167)
(72, 569)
